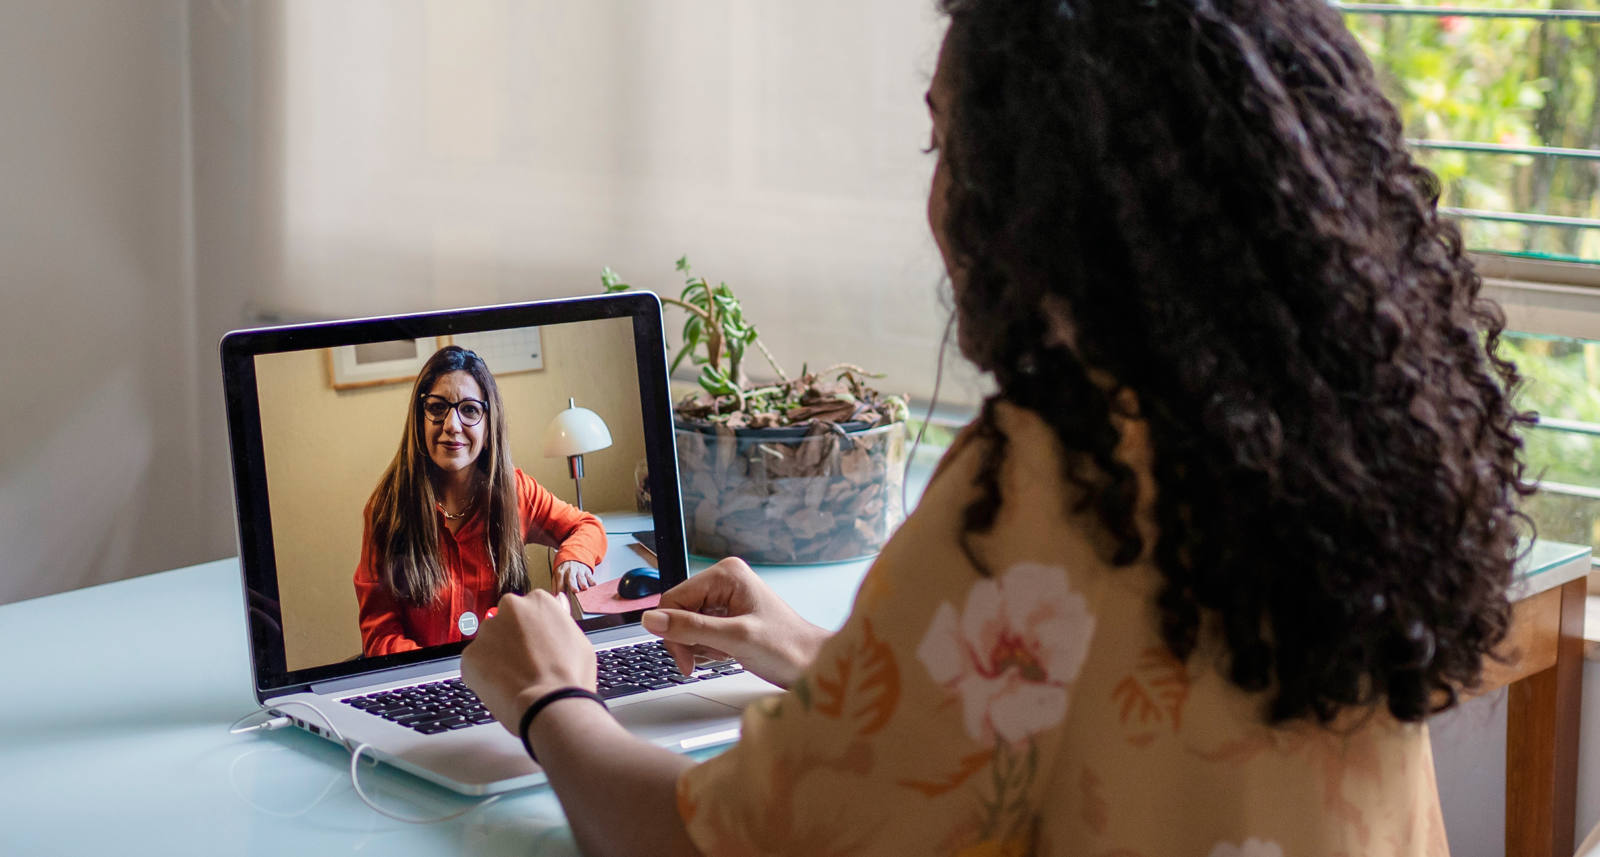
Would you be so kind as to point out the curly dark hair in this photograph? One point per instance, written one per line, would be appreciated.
(1220, 202)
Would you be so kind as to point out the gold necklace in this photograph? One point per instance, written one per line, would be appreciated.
(457, 516)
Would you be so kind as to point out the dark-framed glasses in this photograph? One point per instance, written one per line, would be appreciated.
(437, 408)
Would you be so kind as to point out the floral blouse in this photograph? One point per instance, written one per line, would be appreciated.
(1036, 711)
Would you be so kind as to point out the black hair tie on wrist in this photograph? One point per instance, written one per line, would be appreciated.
(542, 702)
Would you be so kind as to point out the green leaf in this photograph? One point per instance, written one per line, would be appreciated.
(612, 281)
(682, 353)
(683, 263)
(897, 407)
(716, 382)
(695, 293)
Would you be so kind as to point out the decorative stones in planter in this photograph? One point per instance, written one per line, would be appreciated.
(826, 492)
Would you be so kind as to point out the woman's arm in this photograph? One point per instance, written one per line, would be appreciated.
(619, 792)
(578, 536)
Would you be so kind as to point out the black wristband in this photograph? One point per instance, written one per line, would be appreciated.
(543, 701)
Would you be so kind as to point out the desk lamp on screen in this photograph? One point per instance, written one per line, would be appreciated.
(573, 433)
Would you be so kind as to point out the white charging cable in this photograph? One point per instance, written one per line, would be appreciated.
(938, 381)
(278, 721)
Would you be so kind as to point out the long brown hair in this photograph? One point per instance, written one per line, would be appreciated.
(405, 527)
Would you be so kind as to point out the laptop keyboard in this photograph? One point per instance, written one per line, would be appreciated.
(648, 666)
(439, 706)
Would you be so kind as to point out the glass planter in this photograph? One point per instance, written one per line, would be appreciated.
(791, 495)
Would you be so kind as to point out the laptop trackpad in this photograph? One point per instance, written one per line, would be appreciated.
(670, 716)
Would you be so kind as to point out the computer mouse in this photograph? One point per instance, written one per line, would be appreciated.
(639, 582)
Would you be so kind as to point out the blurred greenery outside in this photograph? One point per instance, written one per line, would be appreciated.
(937, 436)
(1563, 452)
(1523, 82)
(1473, 74)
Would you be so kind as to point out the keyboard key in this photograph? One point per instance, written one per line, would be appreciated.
(428, 708)
(649, 666)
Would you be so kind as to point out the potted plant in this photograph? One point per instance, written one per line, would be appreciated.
(796, 470)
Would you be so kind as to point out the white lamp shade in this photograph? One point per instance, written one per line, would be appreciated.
(575, 431)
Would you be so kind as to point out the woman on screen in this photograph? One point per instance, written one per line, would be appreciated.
(446, 525)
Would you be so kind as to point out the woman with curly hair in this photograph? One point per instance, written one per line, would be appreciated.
(1239, 517)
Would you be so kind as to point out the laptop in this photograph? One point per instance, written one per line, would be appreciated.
(317, 413)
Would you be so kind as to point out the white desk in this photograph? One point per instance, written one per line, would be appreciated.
(113, 736)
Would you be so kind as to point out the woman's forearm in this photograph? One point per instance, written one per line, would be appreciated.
(619, 793)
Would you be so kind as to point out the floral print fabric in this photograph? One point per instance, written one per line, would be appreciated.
(1034, 710)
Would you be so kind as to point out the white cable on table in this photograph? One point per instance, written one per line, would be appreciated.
(356, 750)
(938, 381)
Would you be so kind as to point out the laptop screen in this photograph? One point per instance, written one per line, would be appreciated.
(396, 476)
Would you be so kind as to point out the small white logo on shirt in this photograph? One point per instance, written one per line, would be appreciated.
(468, 623)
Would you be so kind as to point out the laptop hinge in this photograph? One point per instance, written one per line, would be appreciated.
(611, 635)
(339, 685)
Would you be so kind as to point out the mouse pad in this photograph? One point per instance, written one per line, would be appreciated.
(670, 716)
(603, 598)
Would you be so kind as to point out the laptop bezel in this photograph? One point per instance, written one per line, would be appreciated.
(239, 349)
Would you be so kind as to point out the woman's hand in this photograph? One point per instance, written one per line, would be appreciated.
(727, 611)
(528, 648)
(571, 576)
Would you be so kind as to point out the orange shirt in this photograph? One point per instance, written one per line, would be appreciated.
(389, 625)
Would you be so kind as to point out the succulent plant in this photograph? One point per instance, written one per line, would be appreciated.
(715, 337)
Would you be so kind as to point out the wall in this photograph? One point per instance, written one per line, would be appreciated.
(442, 153)
(100, 364)
(325, 450)
(235, 122)
(1469, 762)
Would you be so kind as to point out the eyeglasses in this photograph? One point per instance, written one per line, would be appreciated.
(438, 408)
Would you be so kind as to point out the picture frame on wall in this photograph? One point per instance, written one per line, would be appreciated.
(352, 367)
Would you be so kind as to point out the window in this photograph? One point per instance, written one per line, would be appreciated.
(1501, 99)
(1563, 450)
